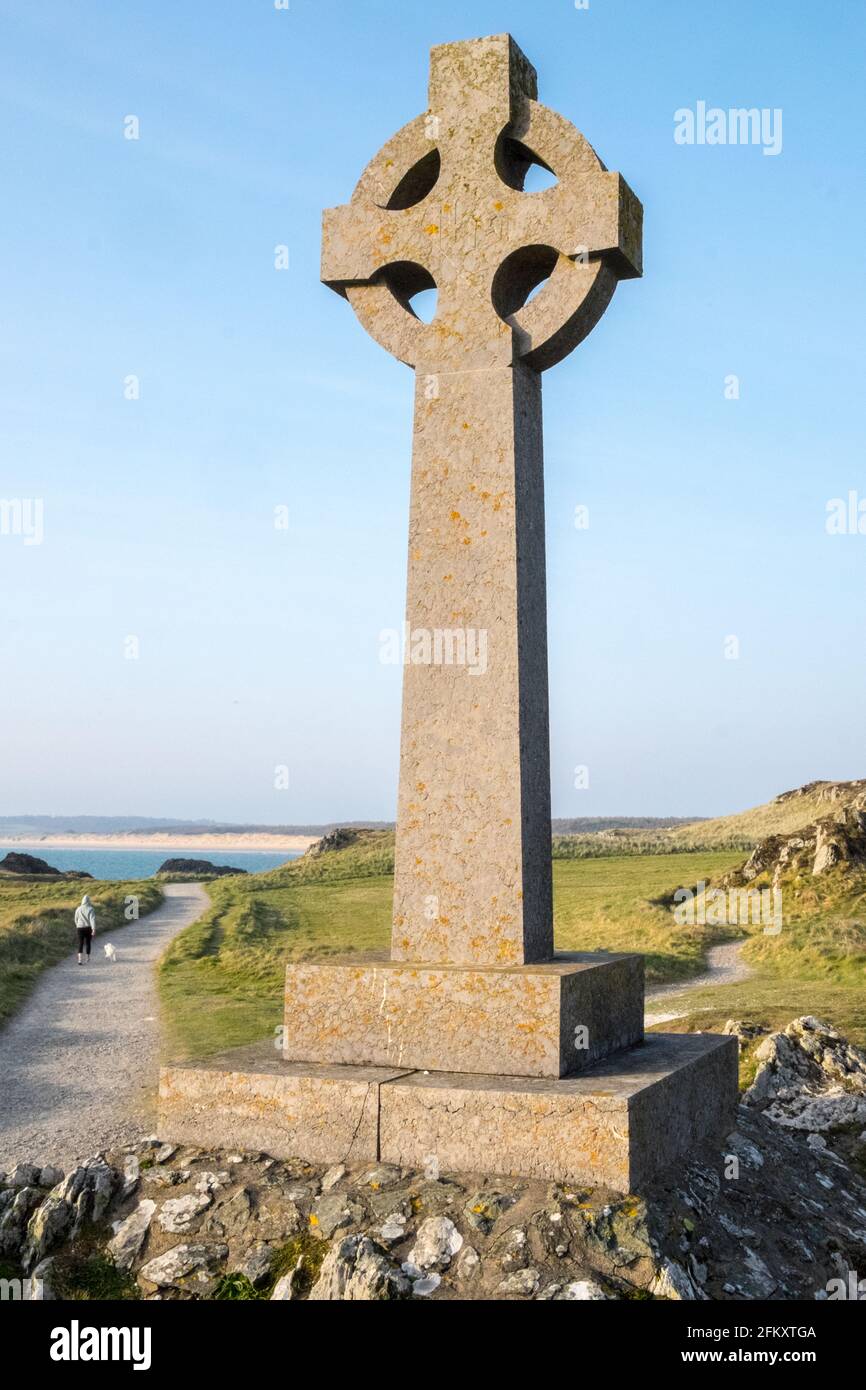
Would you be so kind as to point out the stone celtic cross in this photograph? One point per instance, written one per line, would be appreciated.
(443, 205)
(472, 1045)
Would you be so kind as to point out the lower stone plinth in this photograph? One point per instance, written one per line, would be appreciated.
(548, 1019)
(253, 1101)
(617, 1126)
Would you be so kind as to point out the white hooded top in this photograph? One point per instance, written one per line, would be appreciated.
(85, 915)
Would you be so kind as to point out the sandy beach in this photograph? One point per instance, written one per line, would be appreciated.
(166, 841)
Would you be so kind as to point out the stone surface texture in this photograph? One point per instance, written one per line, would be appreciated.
(618, 1125)
(254, 1100)
(520, 1020)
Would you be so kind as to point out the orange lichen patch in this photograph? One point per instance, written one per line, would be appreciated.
(466, 425)
(444, 921)
(314, 1220)
(509, 821)
(467, 540)
(446, 207)
(498, 206)
(389, 163)
(420, 787)
(432, 229)
(447, 578)
(455, 516)
(483, 534)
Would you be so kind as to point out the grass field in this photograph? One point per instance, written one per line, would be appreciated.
(37, 929)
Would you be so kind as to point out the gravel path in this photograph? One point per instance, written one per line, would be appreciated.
(725, 967)
(78, 1063)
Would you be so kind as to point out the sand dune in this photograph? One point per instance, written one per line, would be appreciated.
(167, 841)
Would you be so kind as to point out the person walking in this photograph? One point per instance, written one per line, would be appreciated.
(85, 926)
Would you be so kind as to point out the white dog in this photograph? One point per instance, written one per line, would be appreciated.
(110, 951)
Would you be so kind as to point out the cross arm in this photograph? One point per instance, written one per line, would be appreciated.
(595, 212)
(359, 239)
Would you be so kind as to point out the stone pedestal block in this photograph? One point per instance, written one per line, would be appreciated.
(253, 1101)
(616, 1126)
(549, 1019)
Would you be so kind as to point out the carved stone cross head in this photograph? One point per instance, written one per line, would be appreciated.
(442, 204)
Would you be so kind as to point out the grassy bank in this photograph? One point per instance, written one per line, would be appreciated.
(37, 927)
(816, 965)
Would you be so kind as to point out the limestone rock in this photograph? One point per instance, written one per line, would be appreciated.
(839, 838)
(256, 1264)
(165, 1177)
(40, 1288)
(184, 1266)
(438, 1240)
(13, 1223)
(523, 1282)
(331, 1214)
(129, 1235)
(393, 1230)
(673, 1282)
(358, 1270)
(181, 1214)
(48, 1225)
(580, 1291)
(809, 1078)
(25, 1175)
(468, 1265)
(131, 1175)
(333, 1176)
(286, 1288)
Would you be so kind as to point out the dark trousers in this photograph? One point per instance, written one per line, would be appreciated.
(85, 936)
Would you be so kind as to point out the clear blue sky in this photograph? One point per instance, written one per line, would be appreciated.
(260, 647)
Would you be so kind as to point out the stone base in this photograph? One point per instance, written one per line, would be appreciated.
(252, 1101)
(617, 1125)
(493, 1020)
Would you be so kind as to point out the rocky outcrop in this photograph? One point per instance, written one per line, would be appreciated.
(777, 1211)
(16, 863)
(197, 868)
(831, 792)
(340, 838)
(838, 839)
(809, 1078)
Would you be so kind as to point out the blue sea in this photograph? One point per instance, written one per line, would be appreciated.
(122, 865)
